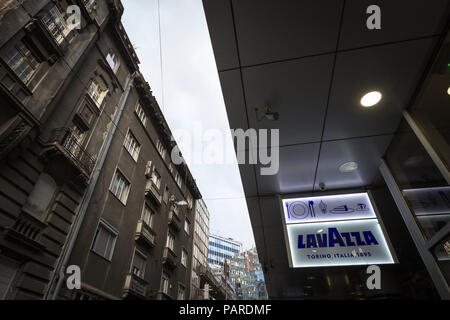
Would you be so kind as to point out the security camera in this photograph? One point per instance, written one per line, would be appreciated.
(322, 186)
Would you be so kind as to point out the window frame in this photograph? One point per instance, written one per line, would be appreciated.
(102, 223)
(131, 141)
(139, 253)
(111, 188)
(26, 57)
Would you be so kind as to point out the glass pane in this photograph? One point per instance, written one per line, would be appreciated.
(442, 255)
(424, 188)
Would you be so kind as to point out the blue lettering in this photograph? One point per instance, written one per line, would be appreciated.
(311, 241)
(301, 245)
(348, 240)
(370, 238)
(335, 237)
(357, 236)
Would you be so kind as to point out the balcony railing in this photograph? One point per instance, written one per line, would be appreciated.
(135, 286)
(152, 191)
(145, 233)
(169, 257)
(65, 139)
(27, 229)
(174, 220)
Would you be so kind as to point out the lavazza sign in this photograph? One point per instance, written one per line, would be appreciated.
(336, 230)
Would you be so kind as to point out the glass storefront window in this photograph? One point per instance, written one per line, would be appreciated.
(423, 186)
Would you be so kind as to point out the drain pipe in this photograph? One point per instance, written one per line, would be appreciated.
(67, 250)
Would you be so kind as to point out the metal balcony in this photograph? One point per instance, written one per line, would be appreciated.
(135, 287)
(64, 145)
(145, 234)
(174, 220)
(152, 192)
(169, 258)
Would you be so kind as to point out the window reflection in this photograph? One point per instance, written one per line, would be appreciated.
(423, 186)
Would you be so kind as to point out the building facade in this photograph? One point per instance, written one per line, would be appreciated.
(221, 249)
(200, 244)
(247, 276)
(86, 178)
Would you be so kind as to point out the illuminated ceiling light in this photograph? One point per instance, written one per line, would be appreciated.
(370, 99)
(348, 167)
(448, 91)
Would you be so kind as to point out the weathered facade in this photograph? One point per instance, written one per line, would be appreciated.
(85, 177)
(200, 245)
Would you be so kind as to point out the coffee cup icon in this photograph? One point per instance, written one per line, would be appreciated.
(361, 207)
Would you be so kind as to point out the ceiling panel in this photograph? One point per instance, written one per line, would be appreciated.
(234, 98)
(220, 24)
(272, 30)
(400, 20)
(297, 90)
(367, 152)
(296, 171)
(393, 69)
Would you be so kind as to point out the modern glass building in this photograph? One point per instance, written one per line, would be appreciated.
(221, 249)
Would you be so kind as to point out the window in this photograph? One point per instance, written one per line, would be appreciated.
(141, 114)
(147, 215)
(156, 178)
(55, 24)
(20, 59)
(97, 91)
(186, 226)
(181, 290)
(165, 283)
(171, 168)
(138, 264)
(184, 256)
(160, 148)
(104, 241)
(170, 241)
(132, 145)
(178, 179)
(41, 196)
(120, 187)
(112, 62)
(166, 194)
(189, 201)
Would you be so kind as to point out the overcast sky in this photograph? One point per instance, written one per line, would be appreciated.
(190, 96)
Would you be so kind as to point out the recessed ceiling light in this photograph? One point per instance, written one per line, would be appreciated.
(370, 99)
(448, 91)
(348, 166)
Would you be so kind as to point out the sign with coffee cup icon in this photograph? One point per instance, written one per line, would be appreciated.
(326, 208)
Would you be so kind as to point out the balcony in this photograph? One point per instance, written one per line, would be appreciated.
(152, 192)
(163, 296)
(27, 230)
(174, 220)
(145, 234)
(169, 258)
(69, 157)
(135, 287)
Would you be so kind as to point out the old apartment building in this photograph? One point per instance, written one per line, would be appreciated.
(200, 245)
(86, 178)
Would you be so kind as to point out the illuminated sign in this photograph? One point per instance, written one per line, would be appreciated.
(338, 230)
(336, 207)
